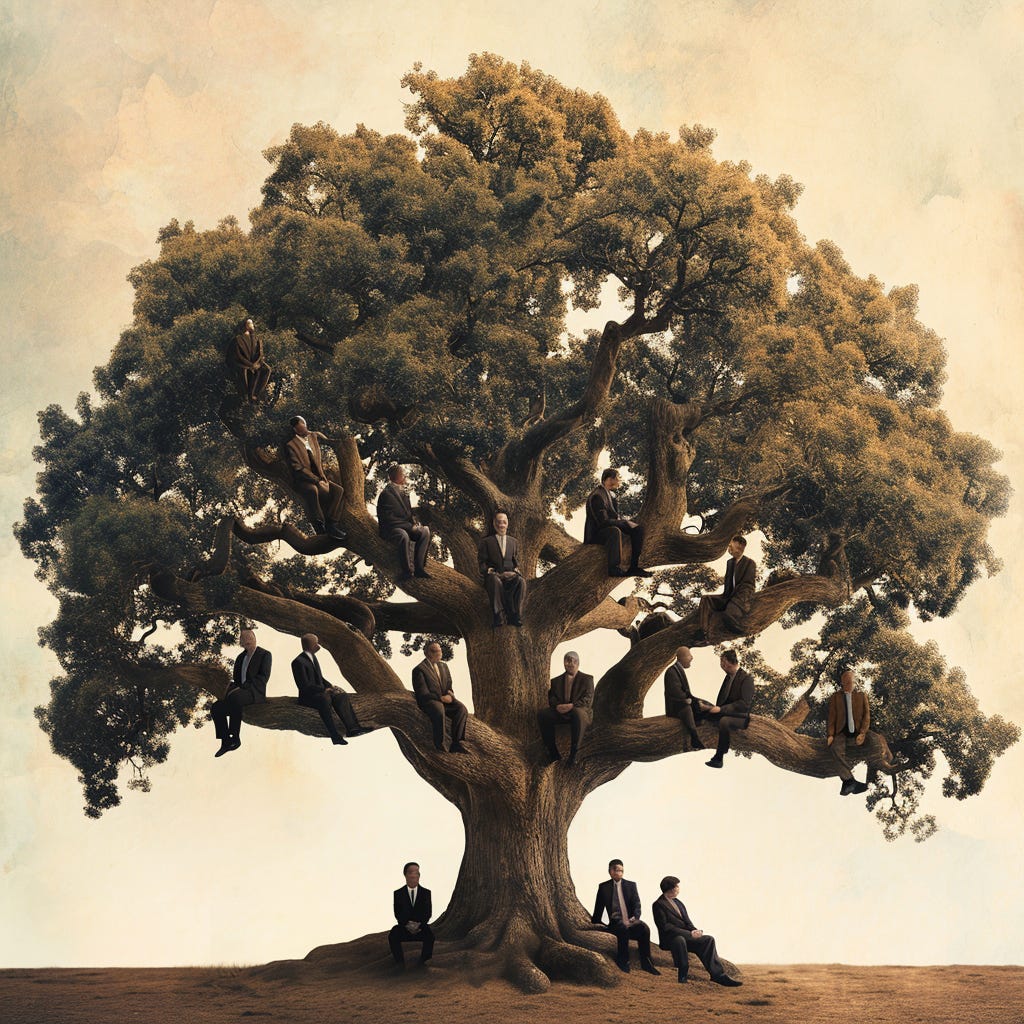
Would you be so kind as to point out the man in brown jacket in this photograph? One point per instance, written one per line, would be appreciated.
(432, 684)
(740, 581)
(246, 357)
(322, 497)
(849, 716)
(570, 700)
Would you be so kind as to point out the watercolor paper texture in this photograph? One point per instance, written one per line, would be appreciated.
(904, 122)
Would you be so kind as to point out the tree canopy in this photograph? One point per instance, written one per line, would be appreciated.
(411, 292)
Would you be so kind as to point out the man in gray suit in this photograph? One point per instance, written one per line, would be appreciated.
(432, 684)
(679, 702)
(397, 524)
(498, 557)
(570, 700)
(740, 581)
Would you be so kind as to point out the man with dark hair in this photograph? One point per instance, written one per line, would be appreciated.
(570, 699)
(412, 912)
(322, 497)
(740, 581)
(432, 684)
(315, 692)
(618, 897)
(498, 557)
(676, 932)
(397, 524)
(245, 356)
(849, 715)
(248, 686)
(732, 709)
(605, 526)
(679, 702)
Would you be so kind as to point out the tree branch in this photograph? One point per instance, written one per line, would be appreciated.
(609, 614)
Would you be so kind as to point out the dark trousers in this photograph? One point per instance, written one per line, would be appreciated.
(437, 711)
(685, 715)
(227, 712)
(623, 933)
(252, 382)
(321, 507)
(549, 719)
(412, 542)
(324, 702)
(727, 725)
(507, 595)
(611, 537)
(400, 934)
(705, 949)
(709, 604)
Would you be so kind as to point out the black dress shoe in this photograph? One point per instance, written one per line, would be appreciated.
(647, 964)
(571, 759)
(623, 965)
(682, 977)
(554, 758)
(635, 570)
(457, 748)
(339, 741)
(319, 527)
(695, 743)
(233, 743)
(724, 979)
(362, 730)
(497, 622)
(846, 788)
(618, 572)
(515, 622)
(715, 762)
(335, 530)
(422, 574)
(225, 746)
(404, 575)
(859, 787)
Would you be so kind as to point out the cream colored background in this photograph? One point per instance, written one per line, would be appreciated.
(904, 121)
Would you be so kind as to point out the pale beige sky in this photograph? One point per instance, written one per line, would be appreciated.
(905, 122)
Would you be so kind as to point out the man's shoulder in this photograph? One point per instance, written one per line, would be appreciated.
(586, 677)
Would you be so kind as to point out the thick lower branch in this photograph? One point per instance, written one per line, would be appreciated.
(609, 614)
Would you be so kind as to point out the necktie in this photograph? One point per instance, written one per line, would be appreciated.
(412, 897)
(850, 726)
(623, 912)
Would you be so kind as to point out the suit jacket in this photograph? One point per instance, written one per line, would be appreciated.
(308, 676)
(602, 512)
(406, 912)
(426, 685)
(736, 697)
(669, 923)
(837, 713)
(258, 674)
(677, 690)
(489, 555)
(246, 351)
(306, 466)
(606, 896)
(740, 581)
(394, 510)
(581, 696)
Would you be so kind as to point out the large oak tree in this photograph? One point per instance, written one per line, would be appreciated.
(412, 292)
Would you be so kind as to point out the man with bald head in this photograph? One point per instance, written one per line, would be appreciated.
(248, 686)
(569, 703)
(315, 692)
(679, 702)
(432, 684)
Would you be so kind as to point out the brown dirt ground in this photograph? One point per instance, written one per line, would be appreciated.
(297, 992)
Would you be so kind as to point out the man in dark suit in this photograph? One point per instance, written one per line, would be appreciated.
(412, 912)
(605, 526)
(732, 709)
(315, 692)
(849, 716)
(398, 525)
(740, 581)
(498, 557)
(322, 497)
(432, 684)
(248, 686)
(618, 897)
(245, 356)
(679, 934)
(679, 702)
(570, 700)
